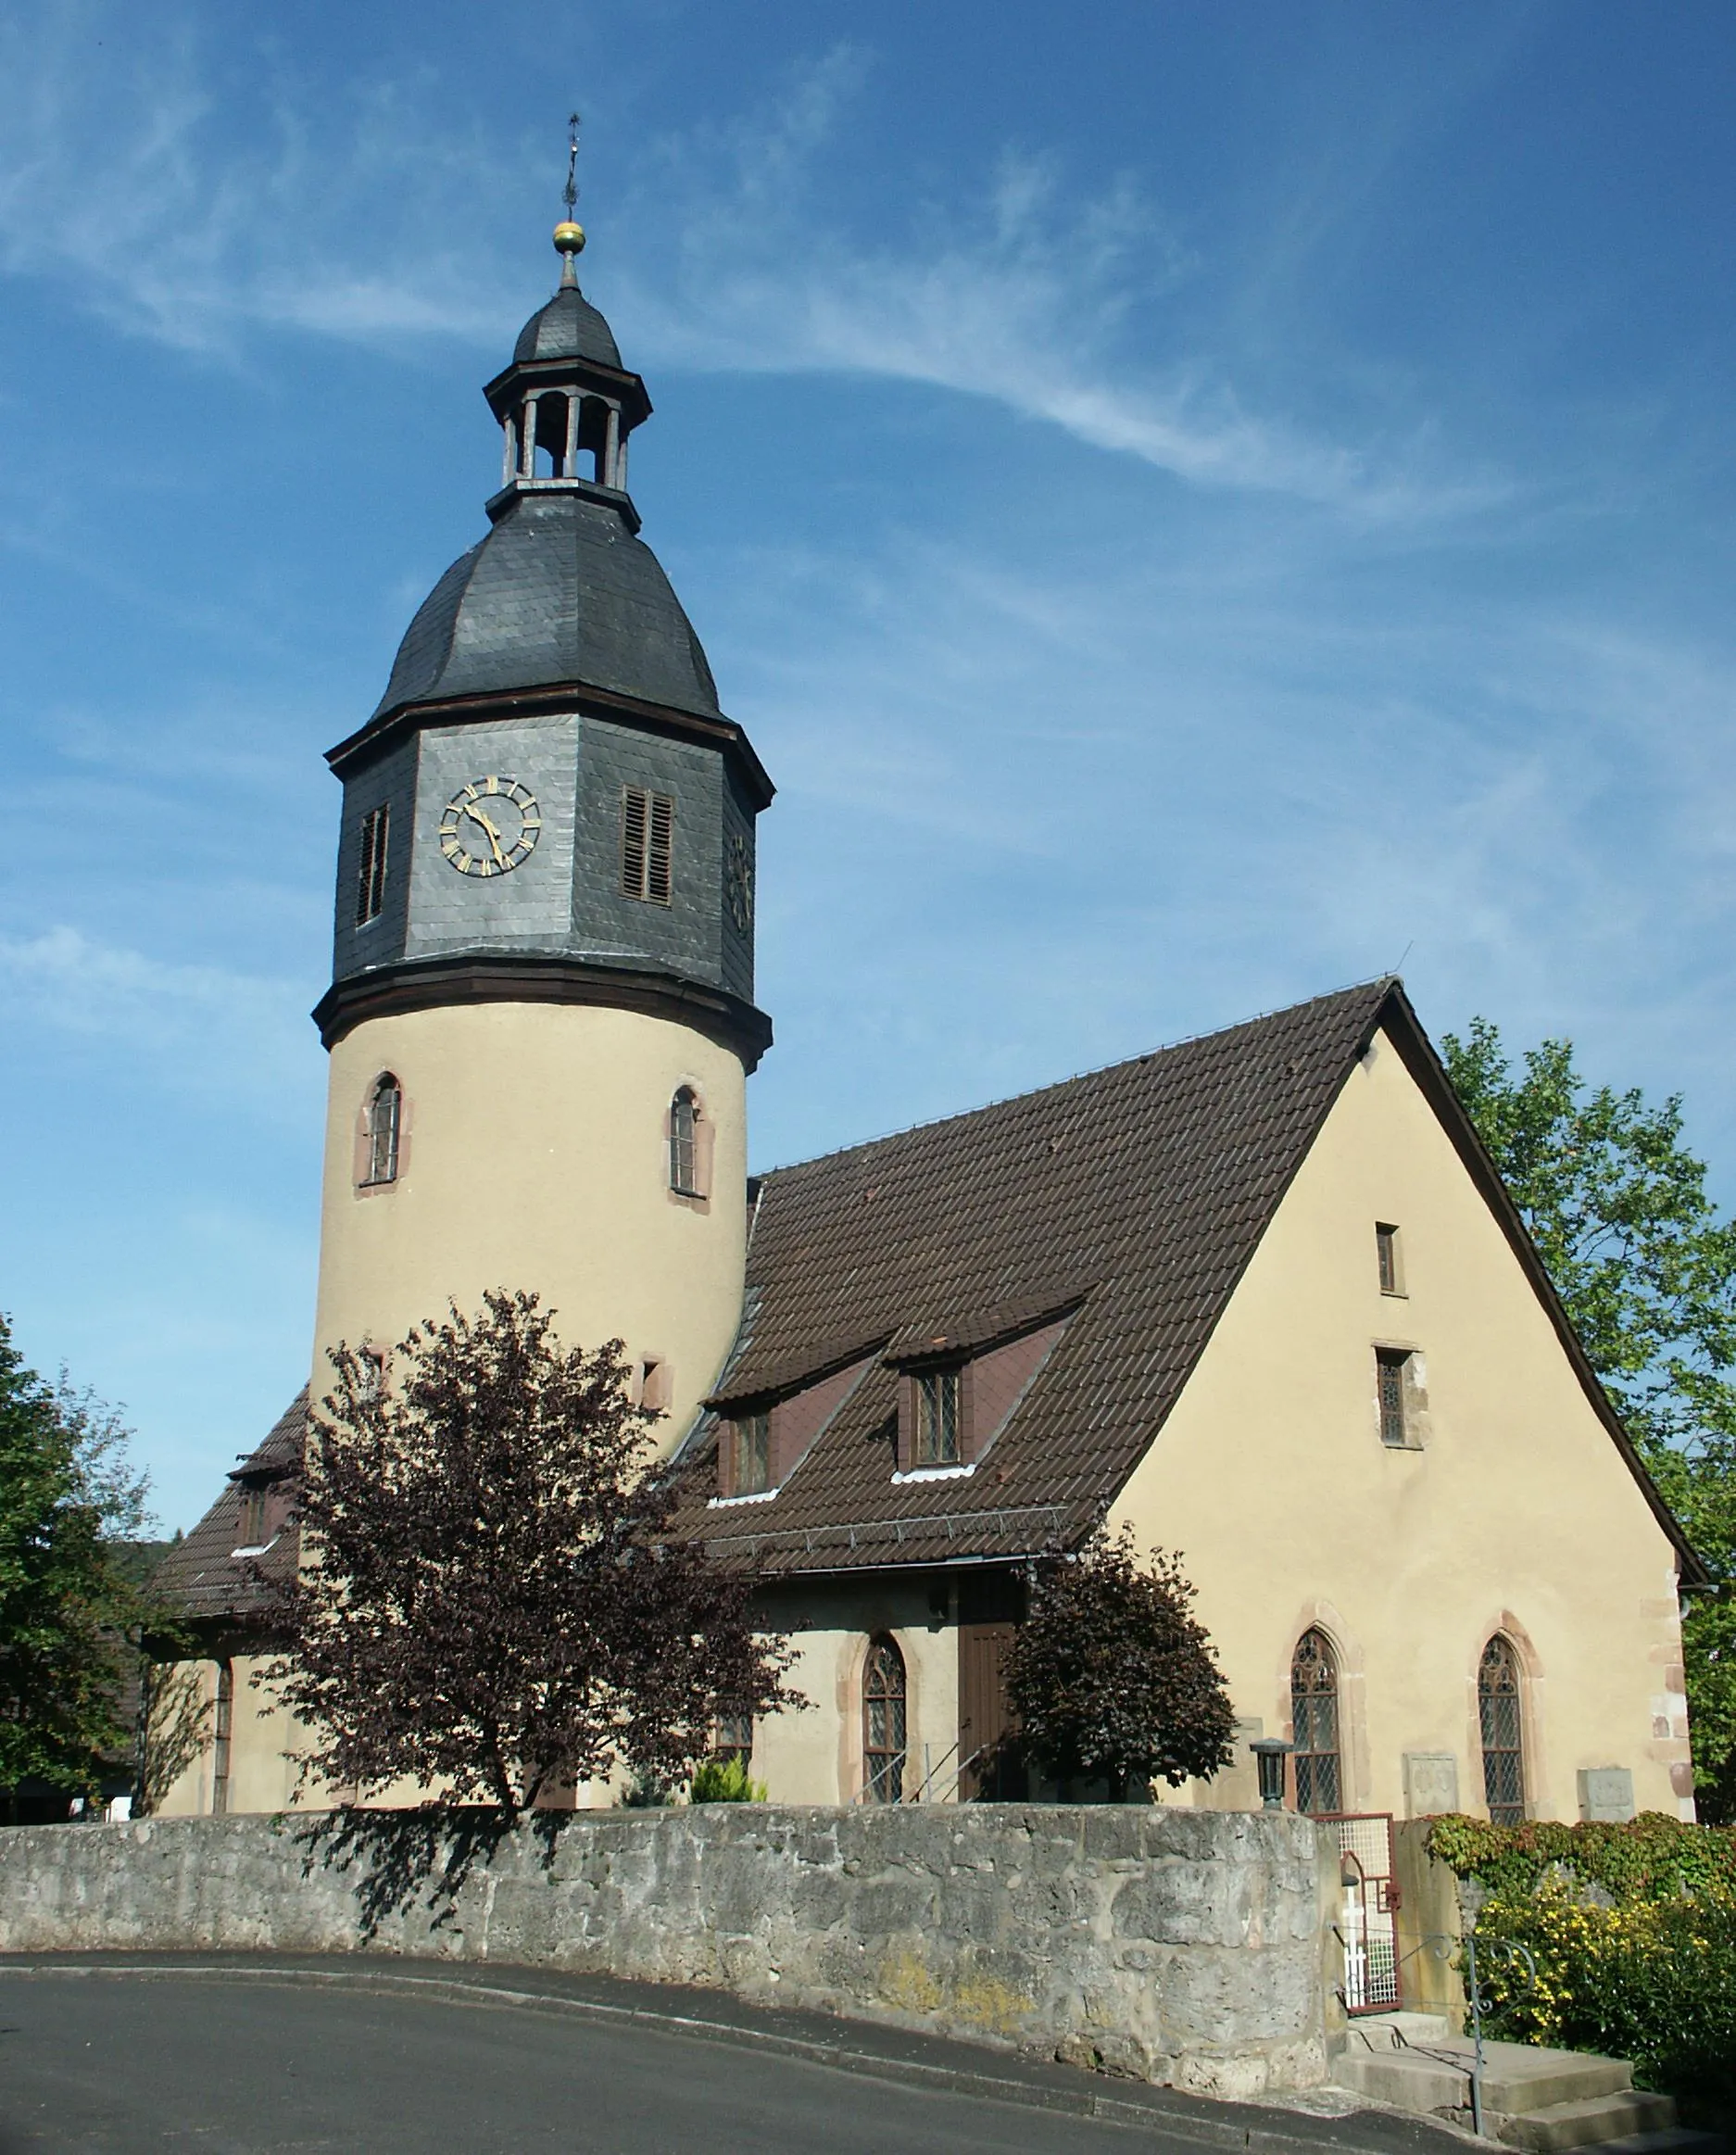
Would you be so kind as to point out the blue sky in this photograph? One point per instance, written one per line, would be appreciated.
(1193, 505)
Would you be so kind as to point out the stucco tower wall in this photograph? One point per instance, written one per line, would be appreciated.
(534, 1154)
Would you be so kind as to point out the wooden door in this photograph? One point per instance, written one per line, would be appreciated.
(984, 1715)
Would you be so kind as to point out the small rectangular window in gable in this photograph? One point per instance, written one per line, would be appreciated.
(647, 839)
(1391, 1366)
(937, 1418)
(370, 879)
(1387, 1259)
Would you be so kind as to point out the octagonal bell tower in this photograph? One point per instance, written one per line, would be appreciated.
(541, 1016)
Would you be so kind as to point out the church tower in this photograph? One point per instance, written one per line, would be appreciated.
(541, 1016)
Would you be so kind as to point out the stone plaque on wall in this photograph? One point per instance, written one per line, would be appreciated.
(1431, 1784)
(1606, 1792)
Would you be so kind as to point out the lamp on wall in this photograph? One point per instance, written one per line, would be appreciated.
(1270, 1752)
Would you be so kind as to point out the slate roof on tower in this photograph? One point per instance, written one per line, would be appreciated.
(1132, 1198)
(561, 590)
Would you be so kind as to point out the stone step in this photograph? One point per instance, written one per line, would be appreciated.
(1395, 2031)
(1518, 2078)
(1628, 2113)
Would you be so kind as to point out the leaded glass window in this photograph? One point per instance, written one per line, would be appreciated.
(1389, 1368)
(1314, 1702)
(937, 1418)
(883, 1706)
(1499, 1710)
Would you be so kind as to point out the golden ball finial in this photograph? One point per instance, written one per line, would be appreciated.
(569, 237)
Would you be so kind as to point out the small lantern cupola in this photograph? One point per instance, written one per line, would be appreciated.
(566, 405)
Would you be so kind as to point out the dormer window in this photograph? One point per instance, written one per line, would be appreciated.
(250, 1528)
(937, 1417)
(950, 1411)
(750, 1465)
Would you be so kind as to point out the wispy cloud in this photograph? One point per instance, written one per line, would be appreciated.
(207, 1023)
(367, 225)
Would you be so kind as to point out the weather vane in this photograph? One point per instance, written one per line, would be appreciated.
(570, 234)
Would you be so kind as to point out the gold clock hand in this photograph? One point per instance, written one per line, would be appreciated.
(494, 836)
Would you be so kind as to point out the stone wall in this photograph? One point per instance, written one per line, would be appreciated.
(1173, 1946)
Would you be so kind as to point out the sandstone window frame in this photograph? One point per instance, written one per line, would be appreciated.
(1501, 1715)
(885, 1721)
(382, 1149)
(1316, 1691)
(1401, 1415)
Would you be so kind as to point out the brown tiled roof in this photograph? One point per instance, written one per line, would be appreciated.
(201, 1576)
(1137, 1194)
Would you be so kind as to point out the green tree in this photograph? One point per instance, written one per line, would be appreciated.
(1646, 1268)
(1114, 1678)
(72, 1604)
(495, 1604)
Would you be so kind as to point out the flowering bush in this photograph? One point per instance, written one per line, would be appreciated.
(1632, 1929)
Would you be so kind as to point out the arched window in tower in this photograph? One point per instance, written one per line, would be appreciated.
(1314, 1705)
(884, 1720)
(683, 1144)
(1499, 1714)
(385, 1121)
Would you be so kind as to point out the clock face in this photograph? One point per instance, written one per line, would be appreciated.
(738, 882)
(490, 827)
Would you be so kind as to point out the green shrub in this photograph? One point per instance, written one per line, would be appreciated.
(1632, 1929)
(724, 1780)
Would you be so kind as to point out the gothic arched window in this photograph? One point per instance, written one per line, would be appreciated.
(883, 1715)
(386, 1116)
(683, 1144)
(1500, 1717)
(1314, 1705)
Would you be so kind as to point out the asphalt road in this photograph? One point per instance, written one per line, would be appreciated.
(258, 2069)
(238, 2055)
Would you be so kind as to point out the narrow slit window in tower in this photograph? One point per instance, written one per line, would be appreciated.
(683, 1144)
(371, 881)
(385, 1111)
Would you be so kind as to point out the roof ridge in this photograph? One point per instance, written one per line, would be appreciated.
(1385, 982)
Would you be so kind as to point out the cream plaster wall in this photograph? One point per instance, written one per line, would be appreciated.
(816, 1757)
(261, 1778)
(1517, 1513)
(534, 1154)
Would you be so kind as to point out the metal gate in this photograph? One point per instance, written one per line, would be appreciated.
(1369, 1900)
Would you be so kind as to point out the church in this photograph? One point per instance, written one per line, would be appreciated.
(1260, 1296)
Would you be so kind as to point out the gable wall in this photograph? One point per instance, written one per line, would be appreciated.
(1517, 1513)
